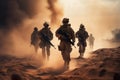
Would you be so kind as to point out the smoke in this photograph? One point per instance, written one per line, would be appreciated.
(56, 12)
(104, 16)
(100, 17)
(116, 36)
(15, 11)
(19, 17)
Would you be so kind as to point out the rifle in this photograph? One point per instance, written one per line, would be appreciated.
(47, 40)
(66, 37)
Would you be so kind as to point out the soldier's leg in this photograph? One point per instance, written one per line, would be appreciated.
(67, 60)
(48, 52)
(64, 58)
(83, 48)
(63, 55)
(80, 50)
(43, 53)
(64, 49)
(68, 51)
(83, 51)
(92, 45)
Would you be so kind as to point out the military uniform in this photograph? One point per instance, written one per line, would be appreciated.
(65, 46)
(82, 35)
(43, 43)
(91, 41)
(35, 39)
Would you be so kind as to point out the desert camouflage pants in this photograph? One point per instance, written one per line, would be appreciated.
(46, 52)
(36, 46)
(65, 48)
(82, 47)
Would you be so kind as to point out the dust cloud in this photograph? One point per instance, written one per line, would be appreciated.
(19, 17)
(56, 12)
(100, 18)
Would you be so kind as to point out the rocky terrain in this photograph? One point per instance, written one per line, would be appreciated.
(103, 64)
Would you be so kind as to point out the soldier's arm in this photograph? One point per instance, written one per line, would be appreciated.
(57, 34)
(73, 35)
(51, 35)
(76, 34)
(39, 34)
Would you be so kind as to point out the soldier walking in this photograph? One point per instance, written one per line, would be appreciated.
(82, 35)
(46, 36)
(91, 40)
(35, 39)
(67, 38)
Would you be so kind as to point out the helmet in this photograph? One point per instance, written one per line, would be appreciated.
(35, 28)
(65, 20)
(82, 26)
(46, 24)
(90, 34)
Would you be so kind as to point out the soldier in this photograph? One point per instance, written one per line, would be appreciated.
(65, 34)
(82, 35)
(35, 39)
(46, 36)
(91, 40)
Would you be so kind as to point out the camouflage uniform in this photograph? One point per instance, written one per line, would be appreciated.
(43, 43)
(82, 35)
(65, 46)
(35, 39)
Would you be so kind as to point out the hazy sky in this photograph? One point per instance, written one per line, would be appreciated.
(93, 12)
(99, 16)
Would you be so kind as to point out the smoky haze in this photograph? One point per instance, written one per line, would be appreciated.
(19, 17)
(100, 17)
(116, 37)
(56, 12)
(15, 11)
(12, 15)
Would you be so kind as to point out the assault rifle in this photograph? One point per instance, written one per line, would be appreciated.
(66, 37)
(47, 40)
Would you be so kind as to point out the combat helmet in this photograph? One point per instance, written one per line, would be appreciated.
(65, 20)
(35, 29)
(82, 26)
(45, 24)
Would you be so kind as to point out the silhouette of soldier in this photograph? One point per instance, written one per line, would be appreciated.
(91, 40)
(66, 36)
(35, 39)
(82, 35)
(46, 36)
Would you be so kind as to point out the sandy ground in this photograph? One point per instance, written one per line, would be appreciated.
(103, 64)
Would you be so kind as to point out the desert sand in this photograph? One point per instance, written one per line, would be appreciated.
(103, 64)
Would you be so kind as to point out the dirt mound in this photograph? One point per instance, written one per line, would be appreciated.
(104, 64)
(10, 66)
